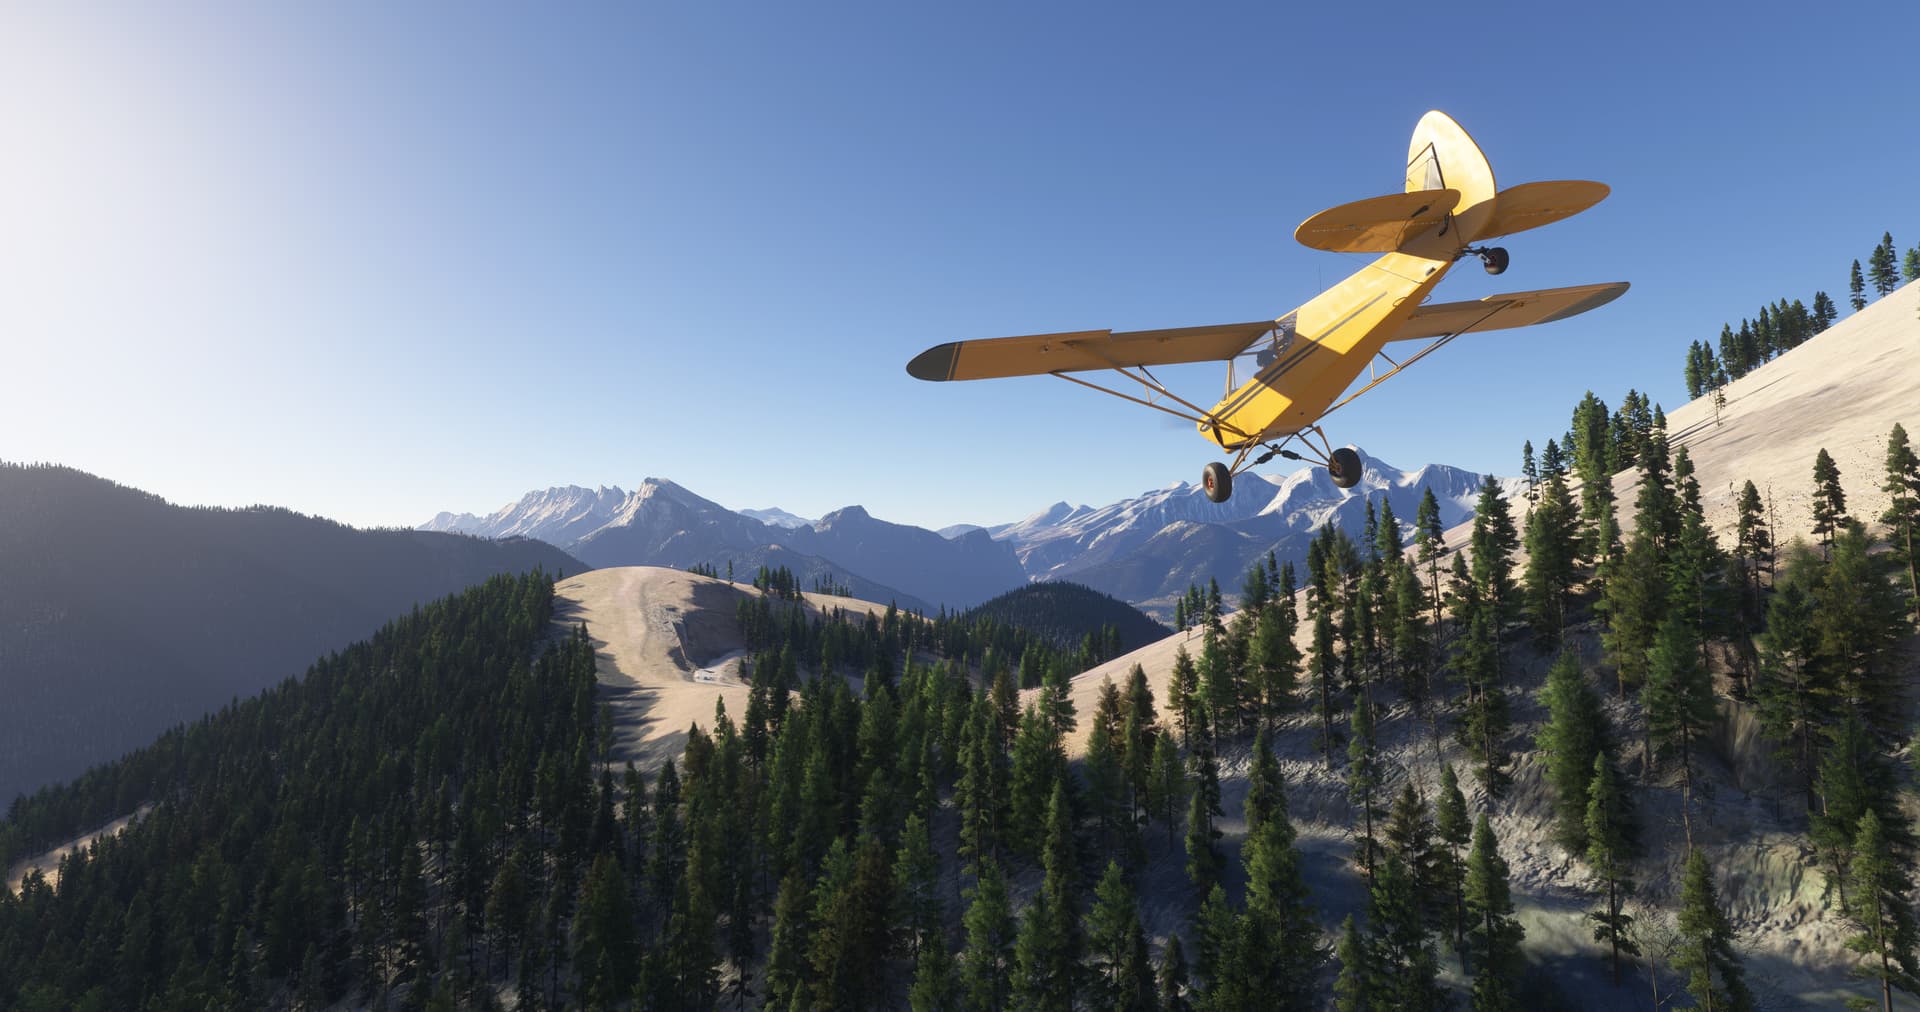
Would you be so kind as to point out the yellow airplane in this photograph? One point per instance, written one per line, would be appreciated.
(1304, 361)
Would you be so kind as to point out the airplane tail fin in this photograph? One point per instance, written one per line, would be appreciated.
(1442, 156)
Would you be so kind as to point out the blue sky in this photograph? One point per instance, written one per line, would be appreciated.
(373, 261)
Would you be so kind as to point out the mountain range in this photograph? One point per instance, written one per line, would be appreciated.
(1144, 550)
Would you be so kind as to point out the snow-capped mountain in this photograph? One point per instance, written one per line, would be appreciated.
(776, 517)
(662, 524)
(1153, 545)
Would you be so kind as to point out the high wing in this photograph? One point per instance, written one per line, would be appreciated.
(1078, 351)
(1499, 312)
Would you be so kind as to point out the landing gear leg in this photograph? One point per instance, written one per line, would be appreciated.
(1217, 480)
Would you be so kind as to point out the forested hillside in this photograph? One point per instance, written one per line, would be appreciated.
(121, 614)
(1067, 613)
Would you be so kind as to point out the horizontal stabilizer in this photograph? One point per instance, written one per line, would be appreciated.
(1079, 351)
(1500, 312)
(1531, 205)
(1377, 224)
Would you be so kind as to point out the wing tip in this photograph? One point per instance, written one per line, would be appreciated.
(1604, 295)
(936, 363)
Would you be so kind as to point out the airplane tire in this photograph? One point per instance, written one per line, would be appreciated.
(1217, 481)
(1345, 468)
(1496, 260)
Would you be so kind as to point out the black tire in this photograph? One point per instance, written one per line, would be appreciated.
(1217, 481)
(1345, 468)
(1495, 260)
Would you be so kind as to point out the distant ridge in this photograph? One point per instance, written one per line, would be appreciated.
(122, 614)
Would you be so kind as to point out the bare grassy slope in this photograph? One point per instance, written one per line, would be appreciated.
(669, 649)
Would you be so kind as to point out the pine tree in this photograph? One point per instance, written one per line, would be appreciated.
(1409, 836)
(1167, 783)
(1278, 933)
(604, 947)
(1218, 961)
(1855, 777)
(1455, 831)
(1172, 978)
(1857, 288)
(1824, 312)
(1122, 978)
(1680, 705)
(1857, 620)
(1552, 546)
(1400, 951)
(1829, 500)
(1910, 267)
(1902, 516)
(1574, 735)
(1203, 861)
(1353, 988)
(934, 988)
(1039, 960)
(1364, 777)
(1610, 855)
(1716, 980)
(1883, 266)
(1183, 694)
(990, 935)
(1495, 937)
(1880, 889)
(916, 883)
(1793, 692)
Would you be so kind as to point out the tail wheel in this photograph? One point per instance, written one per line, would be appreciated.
(1217, 480)
(1344, 467)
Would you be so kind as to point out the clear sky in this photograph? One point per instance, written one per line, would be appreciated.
(376, 260)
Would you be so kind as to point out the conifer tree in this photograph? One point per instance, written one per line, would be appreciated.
(1829, 500)
(1573, 736)
(1122, 978)
(1278, 934)
(1552, 547)
(1061, 860)
(1634, 601)
(934, 988)
(1040, 961)
(1203, 862)
(604, 947)
(1183, 694)
(1902, 516)
(1409, 836)
(1880, 890)
(1753, 541)
(1364, 777)
(1883, 266)
(1322, 666)
(1855, 778)
(1910, 267)
(1858, 620)
(1455, 831)
(1794, 696)
(1275, 662)
(1857, 288)
(1429, 538)
(1353, 988)
(1172, 978)
(1679, 703)
(1167, 783)
(1218, 960)
(1495, 936)
(1400, 951)
(1716, 979)
(990, 935)
(1610, 855)
(916, 884)
(1824, 312)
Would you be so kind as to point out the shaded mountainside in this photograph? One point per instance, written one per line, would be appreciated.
(121, 614)
(1066, 613)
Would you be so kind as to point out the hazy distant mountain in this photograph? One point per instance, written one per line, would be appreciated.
(121, 614)
(777, 517)
(1153, 545)
(663, 524)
